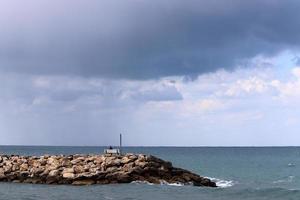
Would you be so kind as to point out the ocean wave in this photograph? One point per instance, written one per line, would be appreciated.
(291, 165)
(142, 182)
(162, 182)
(222, 183)
(219, 182)
(289, 179)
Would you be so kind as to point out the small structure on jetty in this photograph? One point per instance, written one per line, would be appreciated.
(113, 151)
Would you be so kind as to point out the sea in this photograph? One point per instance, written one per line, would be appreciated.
(242, 173)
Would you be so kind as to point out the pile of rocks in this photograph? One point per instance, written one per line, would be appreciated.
(94, 169)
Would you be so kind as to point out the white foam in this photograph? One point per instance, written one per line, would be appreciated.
(291, 165)
(142, 182)
(222, 183)
(289, 179)
(219, 182)
(162, 182)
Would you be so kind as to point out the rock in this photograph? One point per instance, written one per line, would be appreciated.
(94, 169)
(141, 163)
(24, 174)
(186, 177)
(132, 157)
(43, 162)
(126, 160)
(127, 167)
(112, 161)
(119, 177)
(111, 169)
(37, 171)
(98, 161)
(15, 167)
(68, 175)
(2, 175)
(32, 180)
(78, 156)
(206, 182)
(68, 170)
(136, 170)
(84, 182)
(154, 180)
(141, 157)
(51, 161)
(78, 169)
(24, 167)
(7, 169)
(66, 163)
(53, 173)
(75, 162)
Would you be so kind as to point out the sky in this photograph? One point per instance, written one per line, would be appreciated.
(162, 73)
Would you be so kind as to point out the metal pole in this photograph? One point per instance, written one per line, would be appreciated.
(120, 143)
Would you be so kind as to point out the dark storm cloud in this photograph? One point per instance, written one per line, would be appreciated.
(141, 39)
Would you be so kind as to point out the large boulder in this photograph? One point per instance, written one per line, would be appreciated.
(68, 175)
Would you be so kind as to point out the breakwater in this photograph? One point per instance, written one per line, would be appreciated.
(94, 169)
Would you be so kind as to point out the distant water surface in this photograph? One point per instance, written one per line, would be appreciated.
(248, 173)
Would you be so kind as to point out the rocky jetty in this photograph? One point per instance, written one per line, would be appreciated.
(94, 169)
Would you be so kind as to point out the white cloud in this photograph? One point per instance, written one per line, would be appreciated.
(289, 91)
(247, 86)
(296, 72)
(155, 91)
(202, 106)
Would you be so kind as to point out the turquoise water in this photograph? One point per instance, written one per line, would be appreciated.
(242, 173)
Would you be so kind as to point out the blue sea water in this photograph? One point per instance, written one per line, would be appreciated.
(248, 173)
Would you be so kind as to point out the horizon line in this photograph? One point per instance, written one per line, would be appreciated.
(154, 146)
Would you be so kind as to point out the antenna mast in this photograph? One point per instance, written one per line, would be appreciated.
(120, 143)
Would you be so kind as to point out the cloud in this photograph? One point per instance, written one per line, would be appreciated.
(141, 39)
(39, 93)
(251, 85)
(289, 91)
(296, 72)
(154, 92)
(297, 60)
(92, 111)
